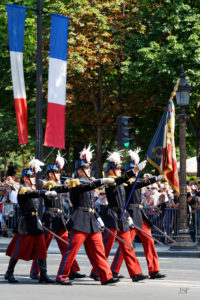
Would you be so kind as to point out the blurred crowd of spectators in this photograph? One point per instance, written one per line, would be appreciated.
(9, 186)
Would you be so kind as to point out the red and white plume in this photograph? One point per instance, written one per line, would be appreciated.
(60, 161)
(86, 154)
(134, 155)
(115, 157)
(35, 165)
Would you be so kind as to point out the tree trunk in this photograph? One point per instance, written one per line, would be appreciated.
(99, 114)
(4, 165)
(198, 156)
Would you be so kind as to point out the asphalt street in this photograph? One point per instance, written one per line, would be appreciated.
(182, 282)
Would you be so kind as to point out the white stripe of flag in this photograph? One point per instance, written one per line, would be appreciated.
(55, 125)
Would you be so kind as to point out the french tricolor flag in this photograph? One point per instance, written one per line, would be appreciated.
(55, 125)
(16, 22)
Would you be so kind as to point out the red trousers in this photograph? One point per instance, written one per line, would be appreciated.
(95, 251)
(149, 250)
(27, 247)
(63, 248)
(129, 256)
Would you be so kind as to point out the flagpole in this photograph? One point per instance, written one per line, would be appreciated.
(39, 133)
(152, 142)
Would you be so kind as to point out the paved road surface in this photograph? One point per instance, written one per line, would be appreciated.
(182, 282)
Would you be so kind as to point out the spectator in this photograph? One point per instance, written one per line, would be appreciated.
(147, 176)
(168, 219)
(155, 194)
(159, 210)
(11, 169)
(9, 202)
(101, 202)
(148, 203)
(2, 222)
(192, 207)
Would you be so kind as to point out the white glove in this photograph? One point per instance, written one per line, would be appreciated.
(100, 223)
(51, 193)
(160, 177)
(107, 180)
(142, 165)
(130, 221)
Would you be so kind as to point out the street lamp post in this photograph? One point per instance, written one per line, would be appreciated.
(183, 240)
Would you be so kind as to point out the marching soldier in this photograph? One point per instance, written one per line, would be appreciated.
(140, 219)
(83, 222)
(28, 242)
(116, 201)
(54, 217)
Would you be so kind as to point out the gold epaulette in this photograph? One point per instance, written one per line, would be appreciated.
(47, 185)
(131, 180)
(23, 190)
(73, 183)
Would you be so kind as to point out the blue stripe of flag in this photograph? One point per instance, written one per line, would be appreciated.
(59, 37)
(16, 22)
(155, 150)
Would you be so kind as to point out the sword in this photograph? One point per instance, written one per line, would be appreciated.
(54, 234)
(163, 233)
(117, 237)
(140, 229)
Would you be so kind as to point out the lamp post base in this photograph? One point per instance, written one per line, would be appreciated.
(183, 242)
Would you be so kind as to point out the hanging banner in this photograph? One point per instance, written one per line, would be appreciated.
(55, 125)
(16, 22)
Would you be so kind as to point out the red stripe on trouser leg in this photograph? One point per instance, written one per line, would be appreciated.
(149, 250)
(96, 254)
(117, 261)
(21, 117)
(55, 126)
(62, 246)
(27, 247)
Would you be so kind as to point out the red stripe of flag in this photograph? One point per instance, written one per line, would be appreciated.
(21, 116)
(55, 126)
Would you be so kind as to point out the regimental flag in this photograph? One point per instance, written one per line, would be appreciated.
(16, 23)
(55, 125)
(161, 153)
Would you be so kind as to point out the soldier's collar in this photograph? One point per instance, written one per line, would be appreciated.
(83, 179)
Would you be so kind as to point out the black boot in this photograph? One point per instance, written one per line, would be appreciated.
(95, 277)
(76, 275)
(111, 281)
(157, 275)
(117, 275)
(139, 277)
(44, 278)
(9, 274)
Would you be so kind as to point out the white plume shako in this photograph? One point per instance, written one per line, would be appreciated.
(134, 155)
(35, 165)
(115, 157)
(60, 161)
(86, 154)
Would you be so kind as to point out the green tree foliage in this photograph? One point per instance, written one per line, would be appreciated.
(123, 59)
